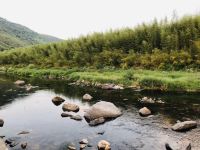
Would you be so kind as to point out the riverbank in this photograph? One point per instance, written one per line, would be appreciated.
(138, 79)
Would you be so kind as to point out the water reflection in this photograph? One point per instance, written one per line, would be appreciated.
(35, 112)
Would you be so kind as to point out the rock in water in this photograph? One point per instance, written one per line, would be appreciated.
(57, 100)
(3, 145)
(66, 115)
(70, 107)
(144, 111)
(183, 126)
(87, 97)
(97, 121)
(102, 109)
(1, 122)
(76, 117)
(20, 82)
(24, 145)
(103, 145)
(84, 141)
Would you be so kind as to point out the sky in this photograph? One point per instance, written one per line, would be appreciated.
(72, 18)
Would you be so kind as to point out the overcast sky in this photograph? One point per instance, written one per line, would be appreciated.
(71, 18)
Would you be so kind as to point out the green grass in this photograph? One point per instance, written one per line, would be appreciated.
(164, 80)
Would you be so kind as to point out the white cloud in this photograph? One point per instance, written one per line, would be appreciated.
(71, 18)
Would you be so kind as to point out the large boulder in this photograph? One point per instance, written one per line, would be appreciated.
(2, 145)
(57, 100)
(103, 145)
(70, 107)
(87, 97)
(1, 122)
(144, 111)
(183, 126)
(102, 109)
(20, 82)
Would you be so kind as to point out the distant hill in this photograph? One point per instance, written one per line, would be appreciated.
(14, 35)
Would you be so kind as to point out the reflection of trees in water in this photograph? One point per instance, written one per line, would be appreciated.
(178, 105)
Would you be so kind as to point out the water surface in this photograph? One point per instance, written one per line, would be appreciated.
(34, 111)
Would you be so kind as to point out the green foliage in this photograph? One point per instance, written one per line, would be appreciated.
(166, 46)
(14, 35)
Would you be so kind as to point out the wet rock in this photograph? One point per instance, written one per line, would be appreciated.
(111, 87)
(144, 111)
(13, 141)
(23, 132)
(183, 126)
(70, 107)
(102, 109)
(167, 147)
(1, 122)
(84, 141)
(57, 100)
(101, 132)
(151, 100)
(147, 100)
(82, 146)
(3, 145)
(20, 82)
(66, 115)
(97, 121)
(71, 146)
(76, 117)
(87, 97)
(24, 145)
(103, 145)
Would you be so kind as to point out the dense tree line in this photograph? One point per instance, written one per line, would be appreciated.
(166, 44)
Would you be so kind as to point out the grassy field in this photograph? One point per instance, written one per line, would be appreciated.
(162, 80)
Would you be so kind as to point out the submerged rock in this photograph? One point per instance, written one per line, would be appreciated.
(144, 111)
(71, 146)
(23, 132)
(84, 141)
(1, 122)
(87, 97)
(76, 117)
(183, 126)
(70, 107)
(3, 145)
(13, 141)
(20, 82)
(111, 87)
(66, 115)
(147, 100)
(57, 100)
(24, 145)
(97, 121)
(103, 145)
(103, 109)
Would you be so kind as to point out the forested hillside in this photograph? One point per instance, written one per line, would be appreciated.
(169, 45)
(14, 35)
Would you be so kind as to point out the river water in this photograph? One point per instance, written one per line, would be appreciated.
(34, 112)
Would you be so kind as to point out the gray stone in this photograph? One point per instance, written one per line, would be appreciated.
(3, 145)
(70, 107)
(20, 82)
(186, 125)
(76, 117)
(57, 100)
(1, 122)
(97, 121)
(87, 97)
(102, 109)
(103, 145)
(66, 115)
(144, 111)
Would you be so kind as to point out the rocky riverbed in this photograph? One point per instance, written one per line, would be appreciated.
(35, 119)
